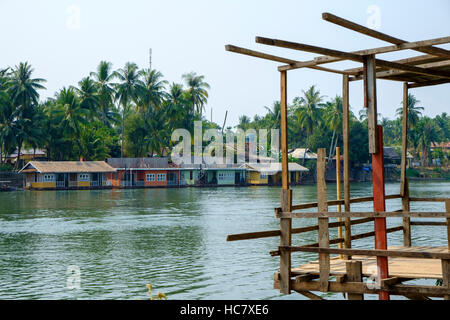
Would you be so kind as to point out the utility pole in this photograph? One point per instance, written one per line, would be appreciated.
(150, 58)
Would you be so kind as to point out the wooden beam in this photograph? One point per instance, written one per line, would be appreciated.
(286, 194)
(404, 140)
(346, 137)
(370, 102)
(446, 276)
(271, 57)
(427, 83)
(406, 220)
(350, 56)
(447, 211)
(379, 204)
(354, 274)
(371, 252)
(384, 214)
(310, 295)
(379, 35)
(390, 73)
(360, 287)
(428, 223)
(323, 234)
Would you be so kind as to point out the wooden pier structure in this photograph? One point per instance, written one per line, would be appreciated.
(351, 271)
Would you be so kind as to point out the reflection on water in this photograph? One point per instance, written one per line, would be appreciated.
(171, 238)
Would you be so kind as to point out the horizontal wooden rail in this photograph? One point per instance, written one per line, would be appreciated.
(362, 288)
(429, 199)
(368, 214)
(428, 223)
(276, 233)
(370, 252)
(309, 205)
(341, 240)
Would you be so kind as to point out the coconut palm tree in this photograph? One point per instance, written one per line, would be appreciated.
(127, 90)
(87, 93)
(414, 111)
(22, 89)
(427, 132)
(105, 90)
(198, 90)
(70, 115)
(244, 122)
(333, 119)
(273, 116)
(308, 111)
(152, 94)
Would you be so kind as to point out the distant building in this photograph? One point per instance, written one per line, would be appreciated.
(26, 155)
(299, 153)
(66, 174)
(270, 173)
(143, 172)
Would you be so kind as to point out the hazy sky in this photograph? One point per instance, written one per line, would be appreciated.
(190, 36)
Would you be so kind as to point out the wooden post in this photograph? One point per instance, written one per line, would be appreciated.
(406, 220)
(447, 210)
(324, 236)
(286, 195)
(446, 276)
(346, 136)
(404, 139)
(379, 204)
(370, 101)
(354, 274)
(338, 192)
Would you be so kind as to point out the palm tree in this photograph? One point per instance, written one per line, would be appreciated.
(197, 89)
(87, 93)
(177, 110)
(308, 112)
(22, 89)
(127, 90)
(103, 78)
(428, 132)
(414, 111)
(333, 119)
(71, 115)
(273, 116)
(244, 122)
(152, 92)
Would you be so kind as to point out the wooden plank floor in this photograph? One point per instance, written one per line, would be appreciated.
(398, 267)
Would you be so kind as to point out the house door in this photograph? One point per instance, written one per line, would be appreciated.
(237, 178)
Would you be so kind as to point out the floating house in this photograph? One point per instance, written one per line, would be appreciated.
(270, 173)
(212, 174)
(66, 174)
(143, 172)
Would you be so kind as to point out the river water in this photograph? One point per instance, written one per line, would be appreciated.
(175, 239)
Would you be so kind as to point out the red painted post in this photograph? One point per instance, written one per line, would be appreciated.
(380, 205)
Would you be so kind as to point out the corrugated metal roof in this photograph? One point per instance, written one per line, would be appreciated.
(68, 166)
(138, 162)
(272, 168)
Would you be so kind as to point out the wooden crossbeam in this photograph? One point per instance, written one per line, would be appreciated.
(426, 83)
(350, 56)
(390, 73)
(378, 214)
(381, 36)
(271, 57)
(370, 252)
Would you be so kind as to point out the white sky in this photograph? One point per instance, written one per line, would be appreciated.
(190, 36)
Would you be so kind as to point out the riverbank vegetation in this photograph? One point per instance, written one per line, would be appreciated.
(132, 112)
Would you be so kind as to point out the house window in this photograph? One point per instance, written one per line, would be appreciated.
(161, 177)
(150, 177)
(263, 175)
(191, 175)
(83, 177)
(48, 178)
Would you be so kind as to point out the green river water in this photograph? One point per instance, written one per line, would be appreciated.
(174, 239)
